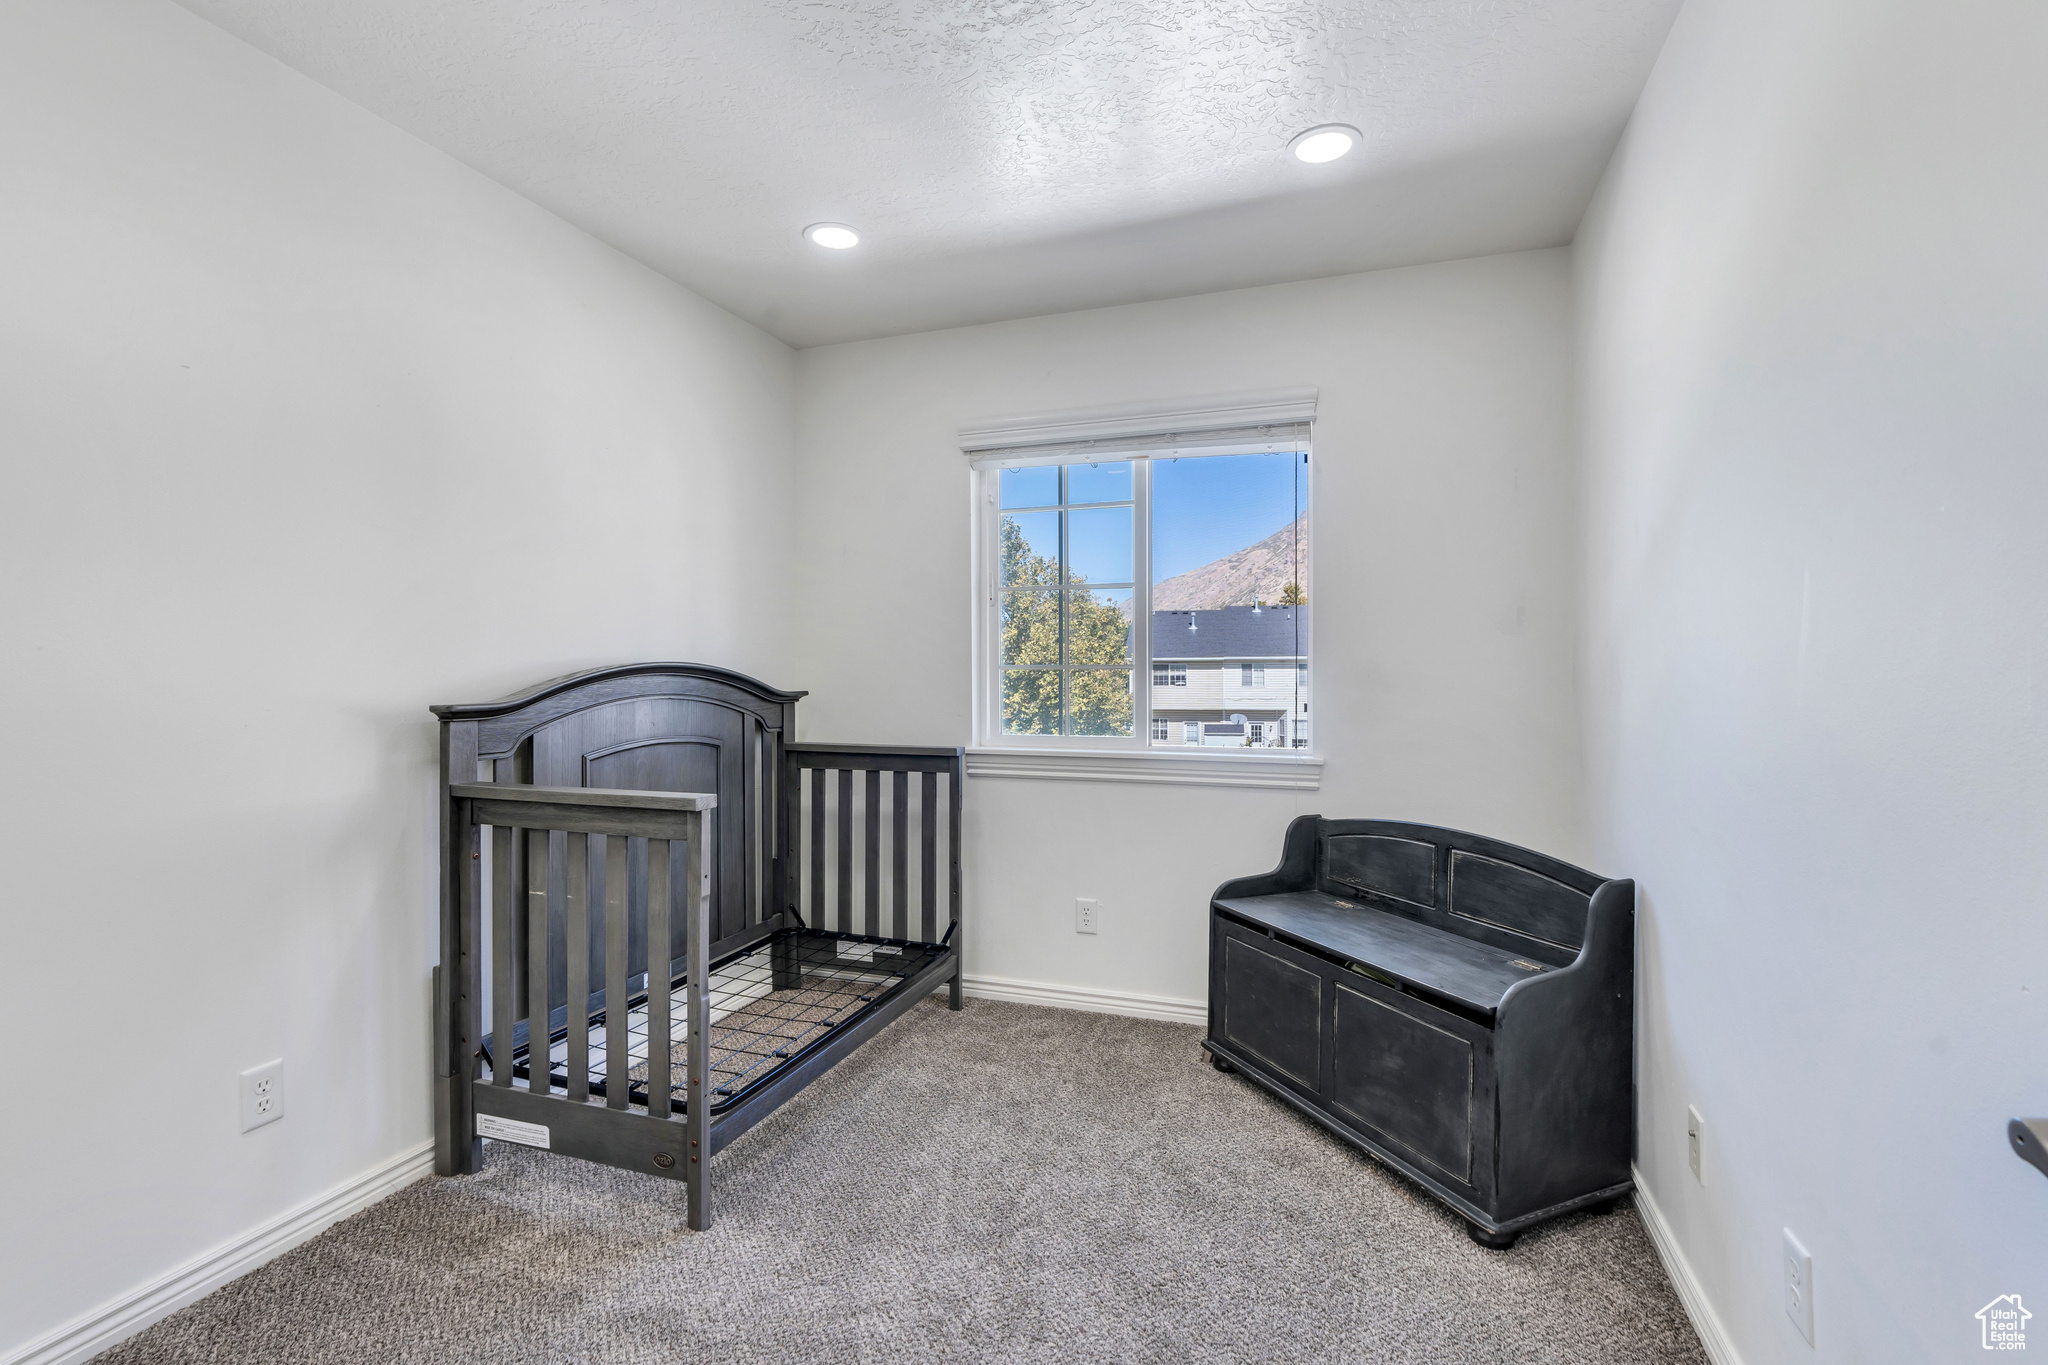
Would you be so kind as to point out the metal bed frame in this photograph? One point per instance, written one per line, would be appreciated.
(599, 825)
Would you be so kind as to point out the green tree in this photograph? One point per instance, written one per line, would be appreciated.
(1292, 595)
(1097, 632)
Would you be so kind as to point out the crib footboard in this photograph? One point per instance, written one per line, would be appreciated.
(600, 867)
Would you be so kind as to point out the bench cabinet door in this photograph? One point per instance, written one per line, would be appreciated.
(1271, 1004)
(1413, 1079)
(1418, 1078)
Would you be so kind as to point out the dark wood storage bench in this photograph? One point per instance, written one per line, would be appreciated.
(1461, 1008)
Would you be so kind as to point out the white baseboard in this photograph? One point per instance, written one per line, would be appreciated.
(1083, 998)
(114, 1322)
(1705, 1321)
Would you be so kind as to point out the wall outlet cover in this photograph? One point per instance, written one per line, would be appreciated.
(1799, 1286)
(262, 1094)
(1085, 913)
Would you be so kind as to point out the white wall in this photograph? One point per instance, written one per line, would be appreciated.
(1815, 327)
(305, 427)
(1443, 585)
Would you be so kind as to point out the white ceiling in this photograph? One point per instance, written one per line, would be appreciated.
(1002, 158)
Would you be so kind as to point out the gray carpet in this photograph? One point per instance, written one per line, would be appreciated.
(1005, 1184)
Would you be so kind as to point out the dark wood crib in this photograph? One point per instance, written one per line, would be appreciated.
(595, 827)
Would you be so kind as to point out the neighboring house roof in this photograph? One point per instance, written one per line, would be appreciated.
(1268, 632)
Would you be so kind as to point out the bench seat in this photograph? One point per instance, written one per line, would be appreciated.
(1464, 971)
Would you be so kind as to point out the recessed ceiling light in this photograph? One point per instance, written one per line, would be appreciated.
(1324, 142)
(832, 236)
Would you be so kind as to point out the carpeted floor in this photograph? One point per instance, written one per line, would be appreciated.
(1005, 1184)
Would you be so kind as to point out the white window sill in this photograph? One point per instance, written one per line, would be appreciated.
(1293, 772)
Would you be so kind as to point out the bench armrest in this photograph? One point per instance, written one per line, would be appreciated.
(1565, 1044)
(1297, 869)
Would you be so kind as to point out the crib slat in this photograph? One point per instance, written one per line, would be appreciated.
(953, 795)
(503, 982)
(750, 825)
(900, 866)
(474, 966)
(618, 1065)
(657, 978)
(953, 799)
(928, 884)
(576, 945)
(846, 850)
(953, 860)
(697, 1022)
(873, 908)
(537, 842)
(817, 847)
(771, 824)
(786, 871)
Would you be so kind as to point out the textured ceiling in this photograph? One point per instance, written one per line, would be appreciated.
(1002, 158)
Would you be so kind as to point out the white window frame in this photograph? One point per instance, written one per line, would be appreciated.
(1137, 435)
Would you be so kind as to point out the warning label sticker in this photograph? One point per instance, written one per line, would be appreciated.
(512, 1130)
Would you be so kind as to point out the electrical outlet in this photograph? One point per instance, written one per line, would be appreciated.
(1799, 1286)
(1084, 916)
(262, 1094)
(1695, 1137)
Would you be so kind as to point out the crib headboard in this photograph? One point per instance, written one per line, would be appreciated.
(648, 727)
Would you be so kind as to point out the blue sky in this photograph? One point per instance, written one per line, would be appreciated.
(1203, 508)
(1206, 507)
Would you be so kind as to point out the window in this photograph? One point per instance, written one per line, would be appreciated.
(1065, 575)
(1172, 560)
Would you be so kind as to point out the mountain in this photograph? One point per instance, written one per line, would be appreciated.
(1257, 572)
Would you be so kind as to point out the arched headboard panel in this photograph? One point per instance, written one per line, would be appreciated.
(647, 727)
(502, 725)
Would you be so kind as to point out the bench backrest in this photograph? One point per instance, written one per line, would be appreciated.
(1467, 884)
